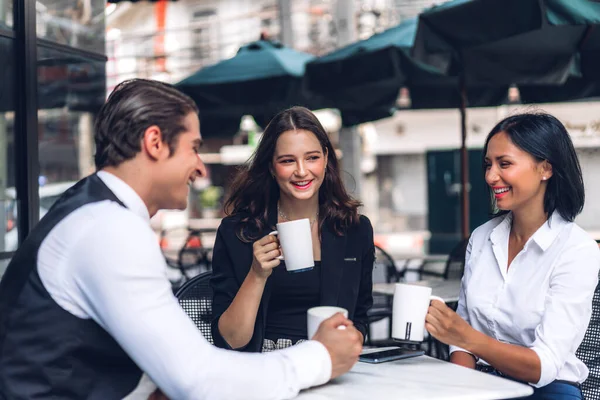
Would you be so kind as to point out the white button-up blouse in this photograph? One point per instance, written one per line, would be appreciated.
(543, 301)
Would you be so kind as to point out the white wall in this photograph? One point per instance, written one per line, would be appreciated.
(409, 134)
(417, 131)
(589, 219)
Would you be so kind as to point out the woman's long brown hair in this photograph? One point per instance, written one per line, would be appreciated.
(254, 188)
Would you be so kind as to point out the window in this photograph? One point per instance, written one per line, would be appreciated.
(71, 89)
(6, 16)
(75, 23)
(8, 218)
(204, 37)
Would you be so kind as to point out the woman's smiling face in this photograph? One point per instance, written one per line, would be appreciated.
(299, 164)
(515, 176)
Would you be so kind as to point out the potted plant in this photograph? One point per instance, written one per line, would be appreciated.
(210, 201)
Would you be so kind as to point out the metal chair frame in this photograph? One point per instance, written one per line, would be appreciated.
(195, 297)
(589, 351)
(454, 266)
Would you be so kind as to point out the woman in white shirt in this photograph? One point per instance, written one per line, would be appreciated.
(530, 272)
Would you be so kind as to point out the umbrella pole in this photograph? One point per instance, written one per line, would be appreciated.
(464, 157)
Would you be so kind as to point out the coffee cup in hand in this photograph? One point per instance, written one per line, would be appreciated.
(411, 303)
(295, 239)
(316, 315)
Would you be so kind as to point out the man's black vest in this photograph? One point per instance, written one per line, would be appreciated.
(45, 351)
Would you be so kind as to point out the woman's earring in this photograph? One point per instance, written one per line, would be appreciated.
(544, 178)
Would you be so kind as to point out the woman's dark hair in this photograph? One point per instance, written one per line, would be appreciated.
(254, 188)
(545, 138)
(132, 107)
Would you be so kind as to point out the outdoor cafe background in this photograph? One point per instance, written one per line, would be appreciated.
(410, 165)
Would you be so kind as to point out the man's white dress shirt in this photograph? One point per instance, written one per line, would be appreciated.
(103, 261)
(543, 301)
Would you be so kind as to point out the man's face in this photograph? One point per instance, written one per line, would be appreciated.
(182, 167)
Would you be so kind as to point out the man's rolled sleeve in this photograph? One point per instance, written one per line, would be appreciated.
(311, 362)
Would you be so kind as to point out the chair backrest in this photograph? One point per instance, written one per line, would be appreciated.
(589, 351)
(384, 271)
(455, 265)
(385, 260)
(195, 297)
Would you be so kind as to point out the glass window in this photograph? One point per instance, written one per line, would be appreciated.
(3, 265)
(6, 14)
(75, 23)
(8, 218)
(71, 89)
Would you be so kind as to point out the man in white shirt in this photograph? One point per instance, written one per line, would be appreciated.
(85, 305)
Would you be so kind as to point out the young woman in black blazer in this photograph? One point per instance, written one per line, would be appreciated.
(293, 174)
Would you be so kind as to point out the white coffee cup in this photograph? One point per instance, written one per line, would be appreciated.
(316, 315)
(295, 240)
(411, 303)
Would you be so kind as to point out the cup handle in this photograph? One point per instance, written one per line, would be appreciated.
(431, 298)
(276, 233)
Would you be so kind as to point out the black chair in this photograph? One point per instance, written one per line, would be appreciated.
(589, 351)
(195, 297)
(382, 304)
(193, 253)
(453, 268)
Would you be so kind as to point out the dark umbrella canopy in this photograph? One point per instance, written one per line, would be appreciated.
(583, 83)
(363, 79)
(532, 43)
(510, 41)
(262, 79)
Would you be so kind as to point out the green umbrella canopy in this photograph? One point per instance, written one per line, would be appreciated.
(510, 41)
(262, 79)
(363, 79)
(531, 43)
(580, 85)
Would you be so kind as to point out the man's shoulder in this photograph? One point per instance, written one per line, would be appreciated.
(108, 211)
(104, 218)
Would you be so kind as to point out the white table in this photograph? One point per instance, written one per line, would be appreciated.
(446, 289)
(416, 379)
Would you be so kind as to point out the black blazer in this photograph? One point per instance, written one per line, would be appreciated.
(346, 274)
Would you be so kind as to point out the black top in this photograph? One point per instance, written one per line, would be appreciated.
(293, 294)
(345, 278)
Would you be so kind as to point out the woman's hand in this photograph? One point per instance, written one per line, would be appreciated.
(447, 326)
(266, 251)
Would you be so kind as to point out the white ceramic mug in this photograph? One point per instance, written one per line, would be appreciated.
(316, 315)
(295, 240)
(411, 303)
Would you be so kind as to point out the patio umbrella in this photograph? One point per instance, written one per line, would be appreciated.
(363, 79)
(523, 42)
(262, 79)
(583, 83)
(510, 41)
